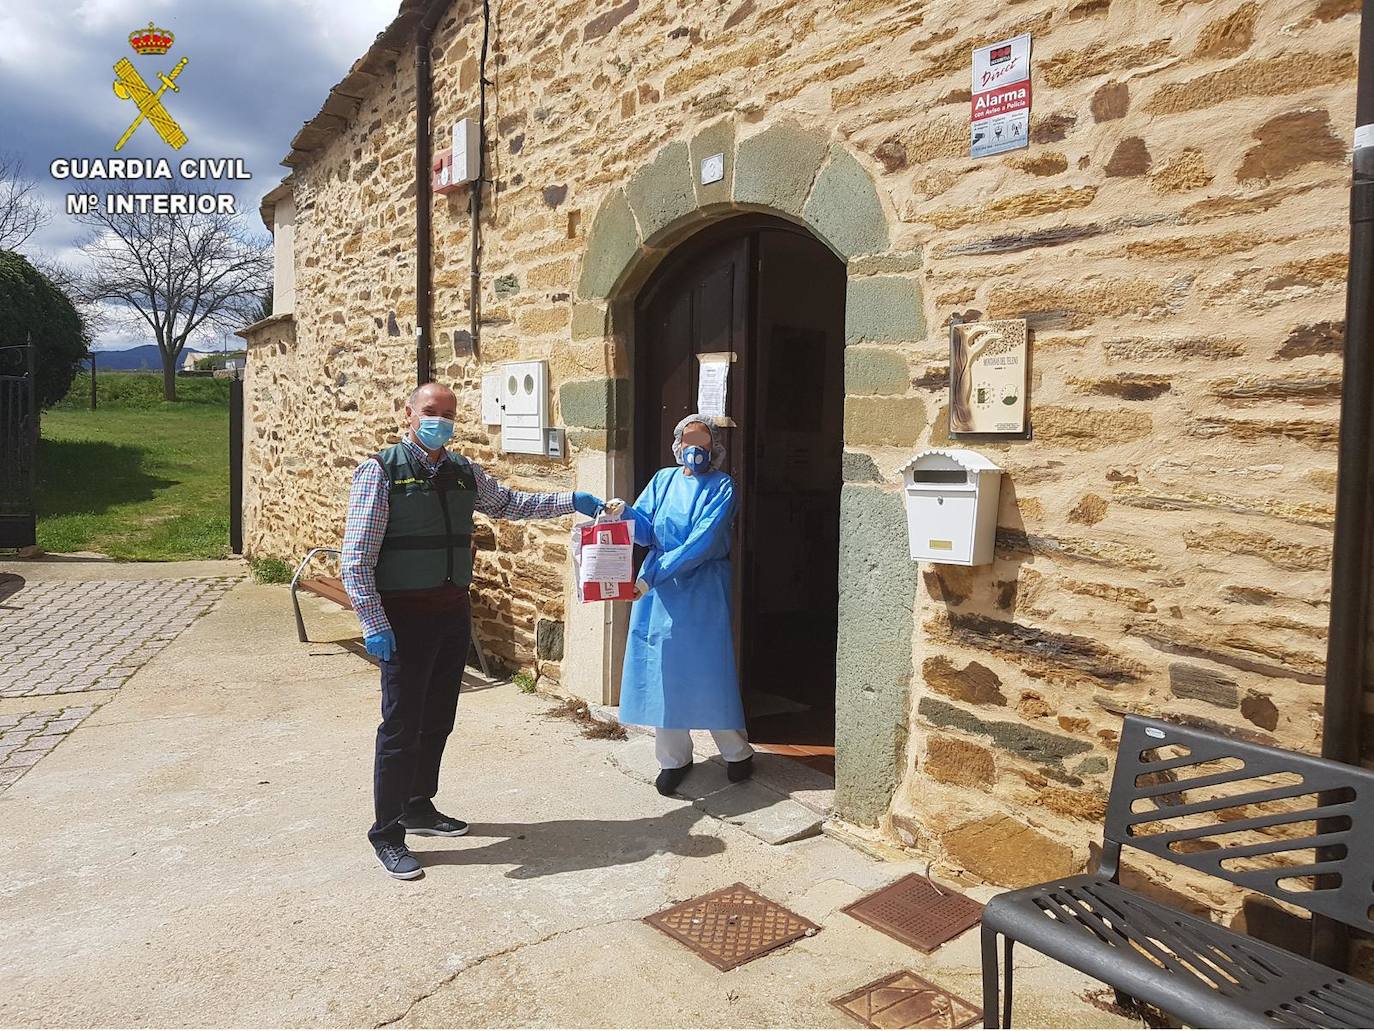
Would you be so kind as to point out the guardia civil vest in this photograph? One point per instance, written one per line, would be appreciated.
(428, 538)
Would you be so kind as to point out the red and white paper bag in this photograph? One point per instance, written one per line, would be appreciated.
(603, 559)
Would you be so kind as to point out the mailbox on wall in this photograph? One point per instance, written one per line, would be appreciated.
(524, 407)
(951, 506)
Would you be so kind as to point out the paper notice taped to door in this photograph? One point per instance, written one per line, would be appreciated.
(712, 386)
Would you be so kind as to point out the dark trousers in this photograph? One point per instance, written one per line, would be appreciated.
(419, 698)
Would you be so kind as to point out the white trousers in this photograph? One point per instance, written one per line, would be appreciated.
(673, 748)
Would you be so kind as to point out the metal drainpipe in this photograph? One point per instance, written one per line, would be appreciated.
(1348, 639)
(475, 197)
(424, 196)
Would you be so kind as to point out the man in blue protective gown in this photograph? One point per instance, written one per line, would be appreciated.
(680, 662)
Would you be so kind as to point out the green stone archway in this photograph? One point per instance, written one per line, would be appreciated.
(798, 175)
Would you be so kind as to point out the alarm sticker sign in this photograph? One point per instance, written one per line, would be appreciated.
(1001, 102)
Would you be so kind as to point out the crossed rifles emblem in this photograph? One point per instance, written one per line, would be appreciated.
(129, 85)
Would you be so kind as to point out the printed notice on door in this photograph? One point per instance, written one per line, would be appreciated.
(712, 385)
(1001, 97)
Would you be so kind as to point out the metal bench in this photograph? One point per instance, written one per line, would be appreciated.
(332, 588)
(1219, 806)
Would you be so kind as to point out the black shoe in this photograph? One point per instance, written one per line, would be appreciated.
(742, 770)
(398, 861)
(668, 780)
(433, 825)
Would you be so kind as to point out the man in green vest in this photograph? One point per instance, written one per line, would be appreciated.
(407, 566)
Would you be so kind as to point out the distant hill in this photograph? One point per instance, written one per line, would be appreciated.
(145, 357)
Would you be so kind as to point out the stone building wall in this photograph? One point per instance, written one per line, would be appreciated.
(1175, 235)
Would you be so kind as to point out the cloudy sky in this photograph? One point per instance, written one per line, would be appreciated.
(256, 70)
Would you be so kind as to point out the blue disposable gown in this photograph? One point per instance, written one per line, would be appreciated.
(680, 661)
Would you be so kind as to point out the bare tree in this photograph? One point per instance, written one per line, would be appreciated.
(180, 274)
(21, 212)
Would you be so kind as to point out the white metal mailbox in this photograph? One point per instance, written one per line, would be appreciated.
(951, 506)
(524, 407)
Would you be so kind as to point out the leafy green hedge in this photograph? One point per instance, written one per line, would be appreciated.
(33, 308)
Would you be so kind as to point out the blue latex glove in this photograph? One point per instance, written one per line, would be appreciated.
(382, 645)
(585, 503)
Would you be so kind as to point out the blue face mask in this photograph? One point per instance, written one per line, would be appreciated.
(697, 459)
(434, 432)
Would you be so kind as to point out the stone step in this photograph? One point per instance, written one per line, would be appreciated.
(759, 810)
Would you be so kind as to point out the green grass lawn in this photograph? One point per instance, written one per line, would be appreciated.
(139, 478)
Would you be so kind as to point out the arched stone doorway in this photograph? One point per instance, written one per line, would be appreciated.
(792, 176)
(771, 296)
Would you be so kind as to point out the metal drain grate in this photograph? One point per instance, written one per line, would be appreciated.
(731, 926)
(917, 912)
(904, 999)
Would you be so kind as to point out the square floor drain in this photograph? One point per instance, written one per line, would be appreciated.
(918, 912)
(731, 926)
(904, 999)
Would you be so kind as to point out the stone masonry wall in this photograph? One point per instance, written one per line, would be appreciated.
(1175, 235)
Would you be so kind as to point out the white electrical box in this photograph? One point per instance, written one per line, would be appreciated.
(491, 399)
(524, 407)
(466, 151)
(951, 506)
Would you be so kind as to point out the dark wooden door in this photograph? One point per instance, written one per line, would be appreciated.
(774, 298)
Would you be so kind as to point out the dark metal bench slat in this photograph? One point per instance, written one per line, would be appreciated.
(1205, 974)
(1198, 971)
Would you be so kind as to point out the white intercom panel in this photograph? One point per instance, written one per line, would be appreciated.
(466, 150)
(491, 399)
(524, 407)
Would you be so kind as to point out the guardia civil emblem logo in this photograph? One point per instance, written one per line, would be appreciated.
(129, 85)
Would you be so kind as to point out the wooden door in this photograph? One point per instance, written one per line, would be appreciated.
(774, 297)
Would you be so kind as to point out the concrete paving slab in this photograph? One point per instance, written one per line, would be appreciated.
(210, 868)
(762, 812)
(755, 808)
(799, 782)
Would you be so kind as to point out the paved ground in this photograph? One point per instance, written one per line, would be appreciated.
(194, 854)
(79, 630)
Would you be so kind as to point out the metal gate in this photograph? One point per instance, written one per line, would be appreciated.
(236, 466)
(18, 447)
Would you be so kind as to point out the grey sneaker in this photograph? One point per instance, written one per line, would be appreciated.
(398, 861)
(434, 825)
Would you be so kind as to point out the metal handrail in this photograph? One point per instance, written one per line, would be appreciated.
(295, 579)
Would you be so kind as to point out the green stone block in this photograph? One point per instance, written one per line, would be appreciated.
(661, 192)
(844, 208)
(588, 321)
(715, 139)
(873, 370)
(873, 656)
(598, 440)
(859, 468)
(507, 285)
(775, 169)
(548, 638)
(611, 245)
(1031, 743)
(883, 310)
(594, 403)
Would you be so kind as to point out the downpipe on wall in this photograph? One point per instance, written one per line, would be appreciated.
(1347, 655)
(424, 195)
